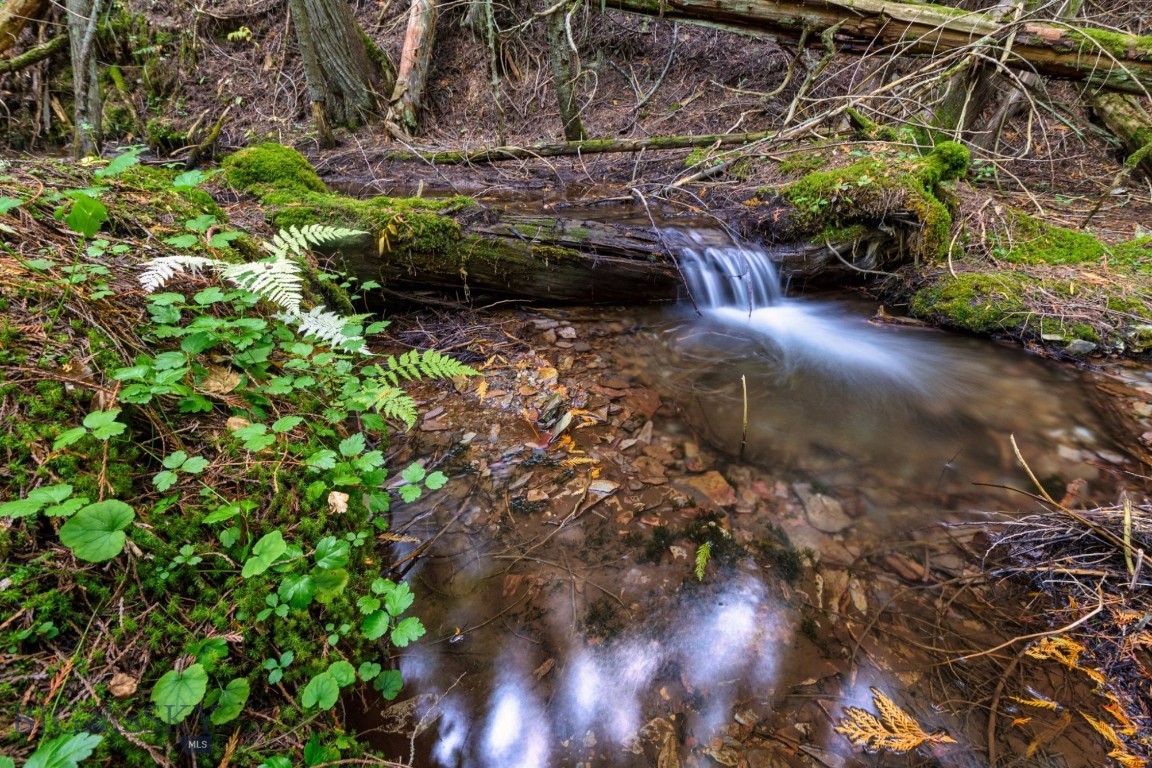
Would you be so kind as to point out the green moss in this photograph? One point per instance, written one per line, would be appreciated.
(1117, 44)
(1036, 242)
(983, 303)
(865, 192)
(268, 167)
(803, 162)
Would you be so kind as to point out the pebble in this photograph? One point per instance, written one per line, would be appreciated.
(826, 514)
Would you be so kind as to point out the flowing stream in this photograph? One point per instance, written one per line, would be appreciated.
(553, 643)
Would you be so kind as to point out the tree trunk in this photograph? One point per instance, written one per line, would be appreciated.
(1125, 117)
(561, 56)
(87, 108)
(343, 82)
(414, 61)
(545, 258)
(1100, 58)
(14, 16)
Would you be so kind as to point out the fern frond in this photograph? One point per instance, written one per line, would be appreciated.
(395, 403)
(323, 325)
(414, 365)
(163, 268)
(278, 281)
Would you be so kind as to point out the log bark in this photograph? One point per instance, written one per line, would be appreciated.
(550, 259)
(1098, 57)
(415, 58)
(14, 16)
(1129, 121)
(586, 147)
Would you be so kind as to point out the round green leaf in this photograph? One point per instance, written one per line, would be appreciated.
(297, 591)
(406, 631)
(63, 751)
(343, 672)
(368, 670)
(376, 625)
(389, 683)
(322, 691)
(96, 532)
(177, 693)
(231, 702)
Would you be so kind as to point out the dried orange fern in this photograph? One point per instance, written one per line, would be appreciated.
(894, 731)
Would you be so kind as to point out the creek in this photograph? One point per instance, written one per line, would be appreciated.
(566, 626)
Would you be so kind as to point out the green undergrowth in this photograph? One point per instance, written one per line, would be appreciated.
(193, 479)
(881, 190)
(1058, 287)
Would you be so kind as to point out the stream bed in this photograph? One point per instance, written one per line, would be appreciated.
(839, 472)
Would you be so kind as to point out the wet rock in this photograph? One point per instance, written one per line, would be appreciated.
(549, 337)
(615, 382)
(1080, 347)
(826, 514)
(572, 536)
(650, 470)
(712, 488)
(567, 332)
(581, 346)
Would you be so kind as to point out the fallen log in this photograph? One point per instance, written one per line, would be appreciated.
(459, 244)
(1129, 121)
(548, 259)
(1101, 58)
(585, 147)
(33, 55)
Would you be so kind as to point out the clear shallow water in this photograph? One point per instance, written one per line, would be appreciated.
(829, 393)
(510, 675)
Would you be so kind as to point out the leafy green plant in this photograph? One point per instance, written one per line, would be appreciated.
(276, 667)
(102, 425)
(178, 692)
(174, 463)
(96, 532)
(61, 752)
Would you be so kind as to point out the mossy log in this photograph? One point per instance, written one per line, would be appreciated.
(1129, 121)
(548, 259)
(456, 243)
(1102, 58)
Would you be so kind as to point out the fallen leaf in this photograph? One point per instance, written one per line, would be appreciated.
(122, 685)
(220, 380)
(337, 502)
(237, 422)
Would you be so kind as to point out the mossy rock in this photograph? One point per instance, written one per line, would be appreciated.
(1036, 242)
(974, 301)
(270, 167)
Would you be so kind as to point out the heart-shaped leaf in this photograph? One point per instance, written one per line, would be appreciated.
(177, 693)
(96, 532)
(231, 702)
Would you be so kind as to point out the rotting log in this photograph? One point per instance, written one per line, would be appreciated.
(586, 147)
(549, 259)
(1102, 58)
(14, 16)
(1129, 121)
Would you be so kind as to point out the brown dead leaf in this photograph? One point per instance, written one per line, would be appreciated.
(237, 422)
(337, 502)
(122, 685)
(220, 380)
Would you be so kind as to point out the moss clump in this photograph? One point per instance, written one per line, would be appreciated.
(867, 191)
(802, 163)
(978, 302)
(1035, 242)
(271, 167)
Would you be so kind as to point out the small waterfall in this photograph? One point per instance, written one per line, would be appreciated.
(725, 275)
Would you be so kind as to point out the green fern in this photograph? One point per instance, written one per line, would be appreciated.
(277, 280)
(414, 365)
(395, 403)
